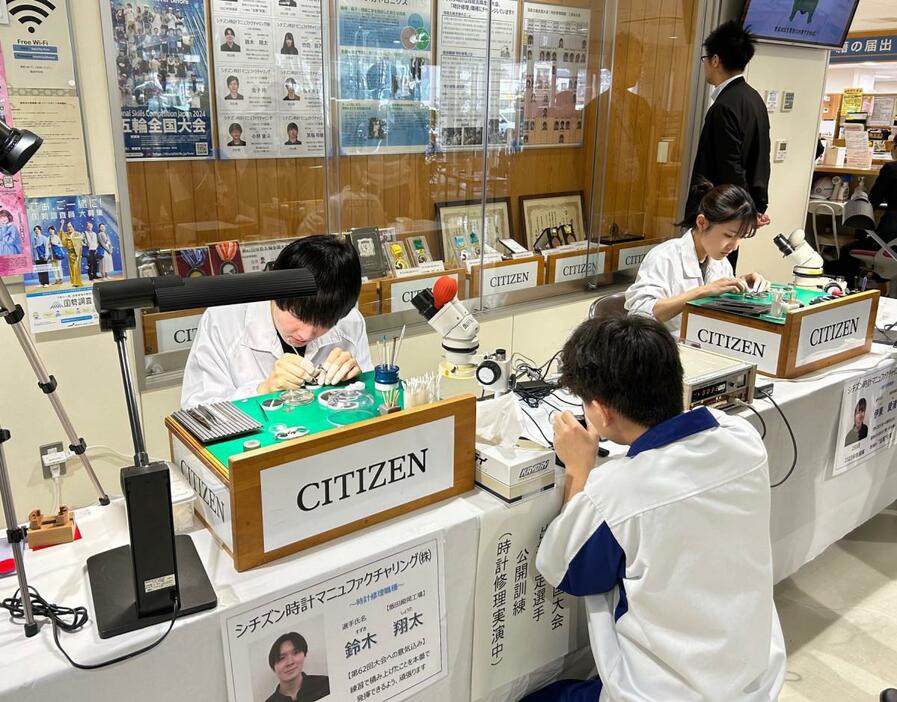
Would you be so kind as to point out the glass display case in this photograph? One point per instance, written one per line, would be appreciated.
(523, 150)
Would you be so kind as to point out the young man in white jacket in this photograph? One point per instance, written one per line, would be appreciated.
(669, 544)
(262, 347)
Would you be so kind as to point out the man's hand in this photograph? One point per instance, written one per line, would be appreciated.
(724, 285)
(762, 220)
(290, 372)
(755, 282)
(340, 365)
(577, 448)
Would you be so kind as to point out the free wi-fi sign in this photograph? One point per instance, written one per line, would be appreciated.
(30, 13)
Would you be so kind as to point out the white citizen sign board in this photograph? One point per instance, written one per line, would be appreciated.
(318, 493)
(736, 341)
(832, 332)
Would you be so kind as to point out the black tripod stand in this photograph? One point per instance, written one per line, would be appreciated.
(13, 314)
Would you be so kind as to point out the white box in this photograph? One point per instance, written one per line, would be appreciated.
(512, 473)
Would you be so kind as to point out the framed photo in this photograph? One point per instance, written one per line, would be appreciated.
(397, 256)
(552, 220)
(418, 250)
(367, 243)
(464, 219)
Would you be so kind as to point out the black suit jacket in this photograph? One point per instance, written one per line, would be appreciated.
(734, 145)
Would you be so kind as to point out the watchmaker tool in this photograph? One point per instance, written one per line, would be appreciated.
(216, 422)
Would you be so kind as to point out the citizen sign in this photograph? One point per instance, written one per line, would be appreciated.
(401, 292)
(214, 497)
(732, 343)
(632, 257)
(319, 493)
(507, 278)
(735, 340)
(831, 332)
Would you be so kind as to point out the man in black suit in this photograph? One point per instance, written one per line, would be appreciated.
(734, 144)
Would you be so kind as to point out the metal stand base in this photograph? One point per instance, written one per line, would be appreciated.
(111, 575)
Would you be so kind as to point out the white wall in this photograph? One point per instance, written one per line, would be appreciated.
(802, 70)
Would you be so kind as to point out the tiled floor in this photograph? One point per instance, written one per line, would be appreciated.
(839, 616)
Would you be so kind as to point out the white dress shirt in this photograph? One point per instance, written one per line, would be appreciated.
(236, 347)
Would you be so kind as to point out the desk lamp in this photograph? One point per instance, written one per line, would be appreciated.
(158, 575)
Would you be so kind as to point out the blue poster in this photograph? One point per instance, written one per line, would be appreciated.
(163, 78)
(823, 22)
(75, 242)
(385, 63)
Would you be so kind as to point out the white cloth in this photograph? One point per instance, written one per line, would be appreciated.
(670, 269)
(237, 345)
(670, 548)
(714, 94)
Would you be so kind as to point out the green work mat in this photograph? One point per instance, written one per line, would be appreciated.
(804, 295)
(313, 417)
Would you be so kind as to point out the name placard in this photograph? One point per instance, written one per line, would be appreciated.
(401, 292)
(632, 257)
(832, 332)
(502, 279)
(213, 504)
(736, 341)
(303, 498)
(176, 333)
(578, 267)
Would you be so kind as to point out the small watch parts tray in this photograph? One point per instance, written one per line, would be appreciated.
(50, 529)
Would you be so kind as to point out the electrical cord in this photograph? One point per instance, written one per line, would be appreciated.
(547, 440)
(742, 403)
(70, 620)
(775, 404)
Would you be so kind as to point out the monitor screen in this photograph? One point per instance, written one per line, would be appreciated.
(817, 22)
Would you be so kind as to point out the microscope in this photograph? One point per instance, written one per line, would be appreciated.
(460, 341)
(807, 263)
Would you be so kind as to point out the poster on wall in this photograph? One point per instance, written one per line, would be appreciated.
(38, 46)
(15, 248)
(868, 417)
(268, 78)
(385, 55)
(463, 37)
(75, 241)
(37, 53)
(555, 48)
(372, 632)
(163, 78)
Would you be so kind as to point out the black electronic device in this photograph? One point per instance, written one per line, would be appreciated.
(17, 146)
(812, 22)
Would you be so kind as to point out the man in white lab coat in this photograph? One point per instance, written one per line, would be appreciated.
(263, 347)
(669, 544)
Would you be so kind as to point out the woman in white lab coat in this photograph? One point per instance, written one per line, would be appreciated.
(262, 347)
(694, 265)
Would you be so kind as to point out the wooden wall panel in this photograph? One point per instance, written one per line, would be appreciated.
(197, 202)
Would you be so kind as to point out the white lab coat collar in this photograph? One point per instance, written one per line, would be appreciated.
(714, 94)
(261, 334)
(691, 266)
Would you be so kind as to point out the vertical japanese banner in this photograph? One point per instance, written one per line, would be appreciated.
(385, 56)
(520, 622)
(554, 55)
(868, 417)
(75, 242)
(163, 78)
(269, 67)
(15, 248)
(461, 58)
(372, 632)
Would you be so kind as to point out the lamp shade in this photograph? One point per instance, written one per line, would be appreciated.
(858, 211)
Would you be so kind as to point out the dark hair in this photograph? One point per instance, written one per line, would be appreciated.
(292, 125)
(861, 405)
(298, 641)
(233, 126)
(37, 226)
(51, 227)
(724, 203)
(631, 364)
(7, 214)
(288, 35)
(232, 78)
(337, 271)
(732, 43)
(229, 30)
